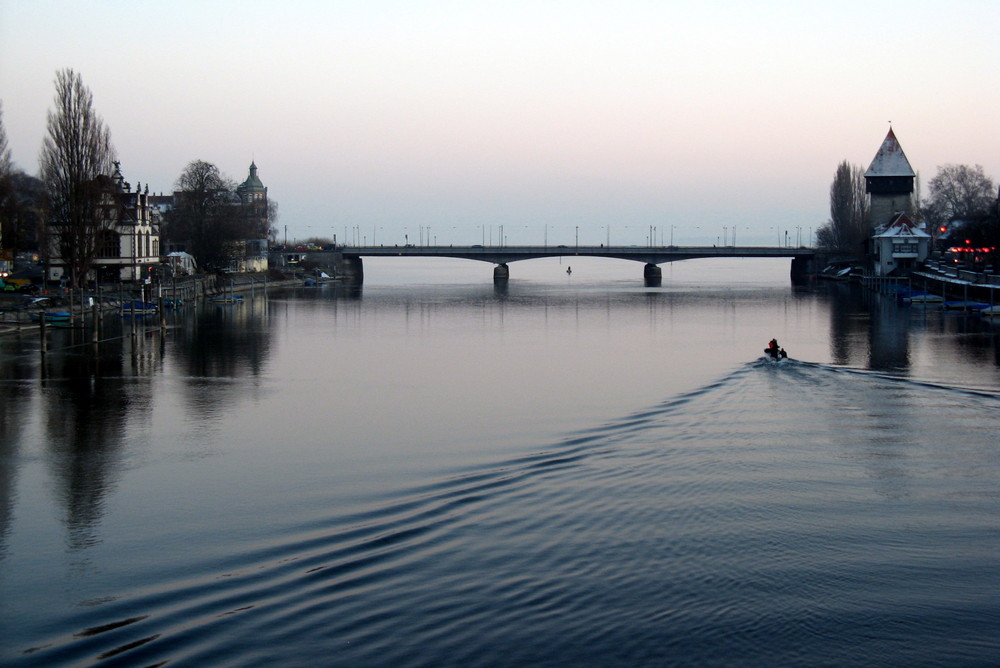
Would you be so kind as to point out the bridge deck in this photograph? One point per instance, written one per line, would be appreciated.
(647, 254)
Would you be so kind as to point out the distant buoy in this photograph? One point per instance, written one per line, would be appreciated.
(569, 270)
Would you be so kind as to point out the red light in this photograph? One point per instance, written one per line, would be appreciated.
(967, 242)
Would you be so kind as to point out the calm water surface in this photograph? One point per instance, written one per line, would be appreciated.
(569, 470)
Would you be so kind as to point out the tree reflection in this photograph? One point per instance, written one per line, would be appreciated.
(221, 341)
(19, 374)
(91, 394)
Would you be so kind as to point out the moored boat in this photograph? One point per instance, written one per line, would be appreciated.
(52, 316)
(926, 298)
(138, 308)
(965, 305)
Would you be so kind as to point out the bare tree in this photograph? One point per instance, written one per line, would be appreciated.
(959, 193)
(848, 226)
(206, 213)
(5, 163)
(75, 163)
(28, 211)
(271, 232)
(6, 180)
(23, 203)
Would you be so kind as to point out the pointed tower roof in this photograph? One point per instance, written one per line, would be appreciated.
(890, 159)
(253, 182)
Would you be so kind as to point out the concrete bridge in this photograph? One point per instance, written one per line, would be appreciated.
(803, 259)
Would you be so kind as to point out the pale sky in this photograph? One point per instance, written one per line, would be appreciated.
(544, 117)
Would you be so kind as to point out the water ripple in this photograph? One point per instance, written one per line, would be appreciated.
(755, 520)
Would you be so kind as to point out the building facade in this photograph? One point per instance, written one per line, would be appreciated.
(253, 200)
(250, 255)
(898, 247)
(126, 239)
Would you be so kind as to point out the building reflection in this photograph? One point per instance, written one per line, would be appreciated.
(874, 331)
(888, 334)
(220, 341)
(97, 399)
(867, 330)
(91, 397)
(19, 373)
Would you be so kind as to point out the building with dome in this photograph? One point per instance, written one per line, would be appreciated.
(251, 254)
(253, 198)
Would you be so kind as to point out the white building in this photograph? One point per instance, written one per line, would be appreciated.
(898, 247)
(127, 241)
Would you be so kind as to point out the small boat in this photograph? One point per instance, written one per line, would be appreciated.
(138, 308)
(990, 312)
(961, 305)
(774, 352)
(924, 299)
(52, 316)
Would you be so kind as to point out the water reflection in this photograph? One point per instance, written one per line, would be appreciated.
(220, 341)
(397, 410)
(95, 400)
(889, 334)
(90, 395)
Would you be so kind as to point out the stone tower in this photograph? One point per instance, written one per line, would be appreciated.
(253, 198)
(889, 182)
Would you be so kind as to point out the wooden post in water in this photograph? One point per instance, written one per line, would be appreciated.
(163, 315)
(41, 330)
(95, 310)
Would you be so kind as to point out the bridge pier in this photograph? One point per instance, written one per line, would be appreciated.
(652, 274)
(501, 272)
(353, 268)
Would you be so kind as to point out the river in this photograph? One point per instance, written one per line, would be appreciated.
(569, 469)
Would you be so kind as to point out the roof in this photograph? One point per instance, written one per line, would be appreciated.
(253, 182)
(890, 159)
(901, 226)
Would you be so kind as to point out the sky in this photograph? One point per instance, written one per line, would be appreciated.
(381, 121)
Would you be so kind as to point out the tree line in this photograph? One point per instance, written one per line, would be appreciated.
(960, 198)
(64, 209)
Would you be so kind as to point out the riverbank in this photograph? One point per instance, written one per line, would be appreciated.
(20, 312)
(952, 284)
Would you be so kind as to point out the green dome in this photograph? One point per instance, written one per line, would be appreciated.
(253, 182)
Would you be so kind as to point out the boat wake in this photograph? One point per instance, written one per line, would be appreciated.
(700, 529)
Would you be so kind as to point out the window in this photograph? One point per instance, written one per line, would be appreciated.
(108, 244)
